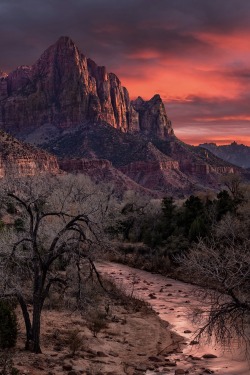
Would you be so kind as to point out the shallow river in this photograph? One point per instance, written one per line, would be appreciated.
(173, 301)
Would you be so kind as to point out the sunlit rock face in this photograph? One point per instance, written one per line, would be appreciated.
(19, 160)
(64, 88)
(75, 109)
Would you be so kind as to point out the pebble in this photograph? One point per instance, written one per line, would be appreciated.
(67, 367)
(209, 356)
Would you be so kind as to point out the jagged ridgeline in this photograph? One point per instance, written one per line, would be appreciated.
(64, 88)
(75, 109)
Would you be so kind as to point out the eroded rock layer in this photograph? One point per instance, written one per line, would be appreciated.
(19, 160)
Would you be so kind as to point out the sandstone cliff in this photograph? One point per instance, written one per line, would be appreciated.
(103, 170)
(19, 160)
(75, 109)
(153, 120)
(64, 89)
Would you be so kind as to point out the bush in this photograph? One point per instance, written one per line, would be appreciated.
(8, 326)
(96, 322)
(75, 342)
(6, 364)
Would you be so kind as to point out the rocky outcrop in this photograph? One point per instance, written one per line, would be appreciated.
(153, 120)
(64, 89)
(83, 165)
(19, 160)
(196, 169)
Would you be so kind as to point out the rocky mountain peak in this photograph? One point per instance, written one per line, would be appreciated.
(64, 89)
(65, 46)
(62, 55)
(65, 41)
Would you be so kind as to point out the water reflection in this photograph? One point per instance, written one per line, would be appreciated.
(174, 302)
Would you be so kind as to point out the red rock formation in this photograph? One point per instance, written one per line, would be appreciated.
(205, 169)
(64, 88)
(163, 176)
(18, 159)
(46, 103)
(102, 170)
(83, 165)
(153, 120)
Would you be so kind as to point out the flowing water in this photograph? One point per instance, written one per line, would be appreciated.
(174, 300)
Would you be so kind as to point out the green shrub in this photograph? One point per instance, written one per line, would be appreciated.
(8, 326)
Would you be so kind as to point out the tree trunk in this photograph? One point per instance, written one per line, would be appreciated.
(36, 325)
(27, 322)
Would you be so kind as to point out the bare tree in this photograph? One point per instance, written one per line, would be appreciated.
(62, 221)
(221, 266)
(234, 185)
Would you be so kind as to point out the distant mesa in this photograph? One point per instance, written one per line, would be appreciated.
(234, 153)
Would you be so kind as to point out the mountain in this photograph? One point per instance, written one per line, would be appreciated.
(234, 153)
(68, 105)
(64, 88)
(18, 159)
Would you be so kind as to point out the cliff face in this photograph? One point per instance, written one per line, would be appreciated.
(19, 160)
(103, 170)
(64, 88)
(153, 120)
(75, 109)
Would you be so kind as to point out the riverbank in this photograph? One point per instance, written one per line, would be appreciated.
(174, 302)
(133, 341)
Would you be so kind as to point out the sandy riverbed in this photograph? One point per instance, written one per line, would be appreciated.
(173, 301)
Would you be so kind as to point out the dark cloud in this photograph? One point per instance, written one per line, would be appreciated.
(195, 107)
(206, 117)
(111, 30)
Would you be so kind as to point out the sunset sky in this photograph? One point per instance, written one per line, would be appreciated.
(194, 53)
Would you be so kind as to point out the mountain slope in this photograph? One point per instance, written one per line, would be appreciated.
(18, 159)
(75, 109)
(234, 153)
